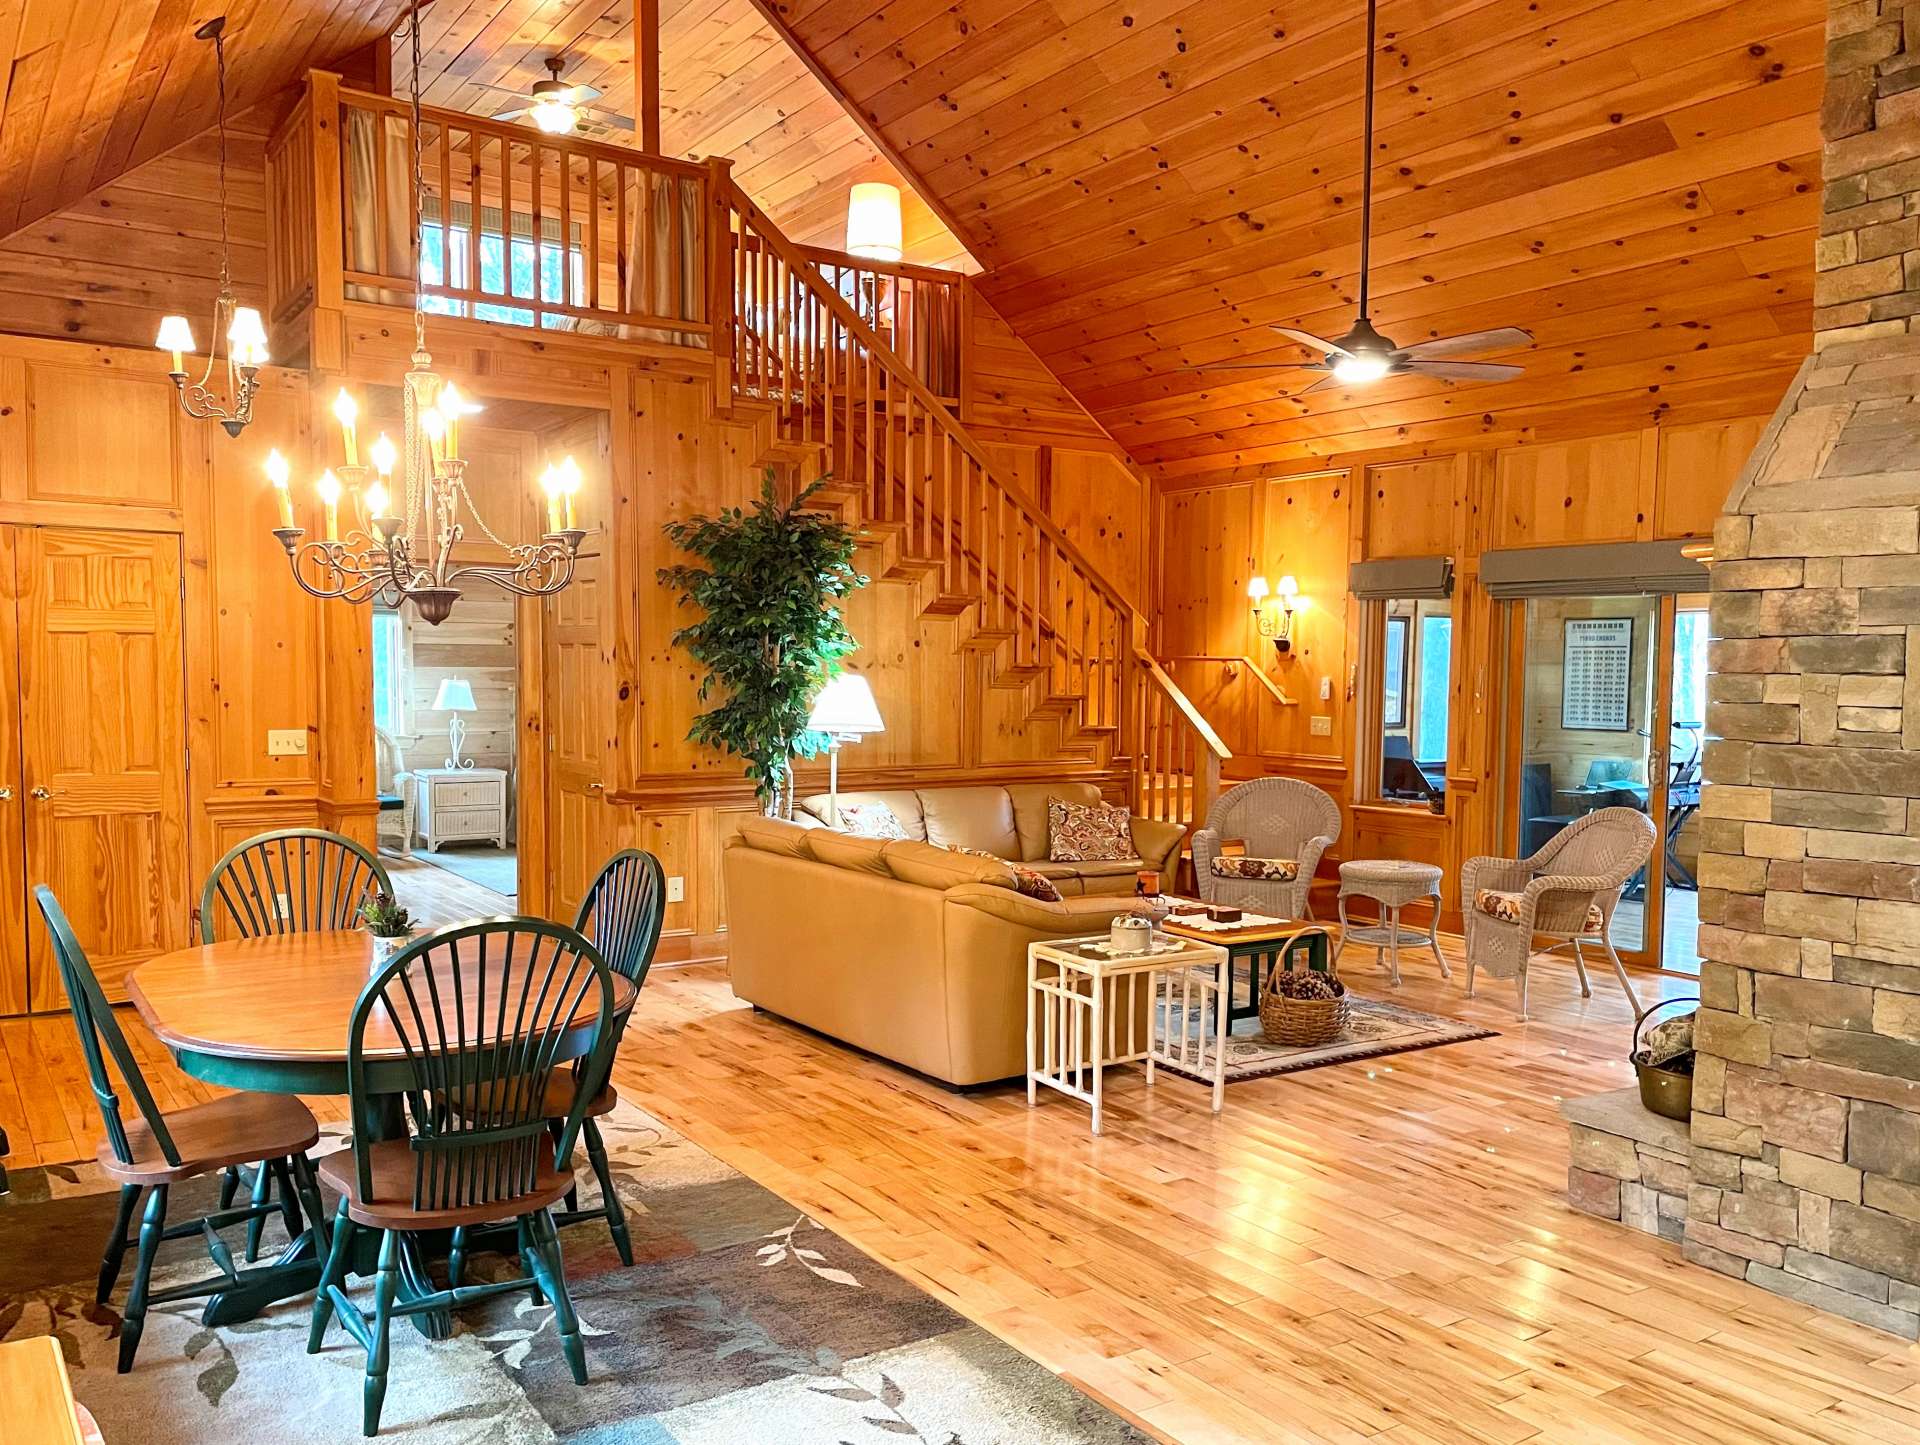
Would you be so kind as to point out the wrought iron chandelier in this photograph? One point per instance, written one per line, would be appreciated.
(399, 547)
(246, 336)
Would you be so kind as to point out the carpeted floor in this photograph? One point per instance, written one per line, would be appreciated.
(1375, 1027)
(742, 1322)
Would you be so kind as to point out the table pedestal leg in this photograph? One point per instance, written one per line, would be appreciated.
(295, 1272)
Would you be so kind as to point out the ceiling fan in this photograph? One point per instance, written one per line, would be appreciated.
(1363, 354)
(557, 108)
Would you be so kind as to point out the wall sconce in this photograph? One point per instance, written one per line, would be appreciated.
(1273, 610)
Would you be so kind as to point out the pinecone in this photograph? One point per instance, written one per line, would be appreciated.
(1305, 984)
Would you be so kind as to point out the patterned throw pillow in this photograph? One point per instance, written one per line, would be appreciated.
(1260, 870)
(1506, 907)
(1087, 832)
(1025, 881)
(871, 820)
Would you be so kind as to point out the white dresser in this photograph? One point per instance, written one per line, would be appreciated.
(460, 805)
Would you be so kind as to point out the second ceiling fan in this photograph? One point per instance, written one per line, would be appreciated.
(1363, 354)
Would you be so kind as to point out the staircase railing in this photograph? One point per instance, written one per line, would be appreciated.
(834, 381)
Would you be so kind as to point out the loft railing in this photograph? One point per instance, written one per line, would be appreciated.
(517, 227)
(918, 311)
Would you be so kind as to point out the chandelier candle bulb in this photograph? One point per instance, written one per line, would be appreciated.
(346, 411)
(279, 473)
(384, 455)
(569, 489)
(247, 339)
(176, 337)
(329, 489)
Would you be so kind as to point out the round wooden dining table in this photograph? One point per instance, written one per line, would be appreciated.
(270, 1015)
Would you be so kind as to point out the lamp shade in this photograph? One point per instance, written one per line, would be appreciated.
(845, 708)
(1257, 589)
(874, 229)
(175, 334)
(455, 695)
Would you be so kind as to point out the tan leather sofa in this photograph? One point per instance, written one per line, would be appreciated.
(1011, 823)
(901, 948)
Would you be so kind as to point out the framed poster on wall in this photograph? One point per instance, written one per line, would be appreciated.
(1596, 675)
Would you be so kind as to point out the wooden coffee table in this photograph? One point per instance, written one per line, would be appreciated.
(1262, 947)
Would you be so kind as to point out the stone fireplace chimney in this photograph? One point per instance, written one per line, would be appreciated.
(1805, 1171)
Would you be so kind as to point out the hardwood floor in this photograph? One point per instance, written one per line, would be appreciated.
(1376, 1251)
(435, 896)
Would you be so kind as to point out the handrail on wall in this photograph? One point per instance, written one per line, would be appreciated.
(1280, 694)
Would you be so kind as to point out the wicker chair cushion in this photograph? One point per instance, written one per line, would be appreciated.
(1025, 880)
(871, 820)
(1506, 907)
(1263, 870)
(1087, 832)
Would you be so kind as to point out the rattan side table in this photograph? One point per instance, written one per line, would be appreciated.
(1392, 883)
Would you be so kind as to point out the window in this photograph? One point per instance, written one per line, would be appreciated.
(1690, 668)
(1416, 686)
(386, 671)
(444, 262)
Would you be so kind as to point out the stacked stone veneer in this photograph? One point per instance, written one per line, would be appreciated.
(1627, 1163)
(1805, 1167)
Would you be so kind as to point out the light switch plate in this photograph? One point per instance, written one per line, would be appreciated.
(286, 742)
(1321, 727)
(676, 889)
(1326, 688)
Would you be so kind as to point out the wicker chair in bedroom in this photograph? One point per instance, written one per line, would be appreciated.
(1566, 892)
(1286, 825)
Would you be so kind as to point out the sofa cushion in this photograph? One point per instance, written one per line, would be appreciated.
(934, 867)
(1496, 903)
(904, 804)
(872, 820)
(980, 818)
(1258, 870)
(1030, 812)
(1025, 880)
(1087, 832)
(850, 850)
(772, 835)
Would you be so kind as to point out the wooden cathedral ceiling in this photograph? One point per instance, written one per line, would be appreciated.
(1150, 182)
(729, 85)
(90, 89)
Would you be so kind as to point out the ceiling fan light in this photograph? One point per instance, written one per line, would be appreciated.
(1360, 367)
(555, 117)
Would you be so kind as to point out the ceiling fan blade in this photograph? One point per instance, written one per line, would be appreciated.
(1253, 366)
(1495, 340)
(581, 94)
(511, 114)
(1309, 340)
(1324, 383)
(607, 118)
(1462, 370)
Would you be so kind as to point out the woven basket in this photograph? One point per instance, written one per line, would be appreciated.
(1302, 1022)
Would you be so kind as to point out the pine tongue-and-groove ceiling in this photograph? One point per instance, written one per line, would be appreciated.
(729, 85)
(1150, 182)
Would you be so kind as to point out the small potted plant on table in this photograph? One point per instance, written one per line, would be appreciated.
(389, 923)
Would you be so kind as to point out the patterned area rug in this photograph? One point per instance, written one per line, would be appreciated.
(495, 868)
(1374, 1027)
(742, 1322)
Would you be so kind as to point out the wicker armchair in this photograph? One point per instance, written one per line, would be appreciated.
(1567, 892)
(1284, 822)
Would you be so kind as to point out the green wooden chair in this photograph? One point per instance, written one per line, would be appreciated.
(621, 913)
(294, 880)
(156, 1150)
(481, 1012)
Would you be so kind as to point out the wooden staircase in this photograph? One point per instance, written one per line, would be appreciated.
(933, 511)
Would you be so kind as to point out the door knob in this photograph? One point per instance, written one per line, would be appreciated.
(596, 787)
(6, 793)
(40, 794)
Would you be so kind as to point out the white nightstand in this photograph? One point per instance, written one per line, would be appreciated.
(459, 805)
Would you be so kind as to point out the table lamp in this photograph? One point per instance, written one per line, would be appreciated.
(845, 712)
(455, 696)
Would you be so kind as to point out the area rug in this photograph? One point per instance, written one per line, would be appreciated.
(490, 867)
(742, 1322)
(1374, 1027)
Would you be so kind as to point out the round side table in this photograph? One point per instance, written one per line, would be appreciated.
(1392, 884)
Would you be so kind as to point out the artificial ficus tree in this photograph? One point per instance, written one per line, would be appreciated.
(767, 583)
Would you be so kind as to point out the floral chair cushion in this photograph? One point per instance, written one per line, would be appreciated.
(872, 820)
(1087, 832)
(1262, 870)
(1025, 880)
(1506, 907)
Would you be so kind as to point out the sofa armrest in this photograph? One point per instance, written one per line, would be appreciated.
(1157, 844)
(1067, 919)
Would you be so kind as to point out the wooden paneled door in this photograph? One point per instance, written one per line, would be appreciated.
(15, 997)
(578, 712)
(103, 754)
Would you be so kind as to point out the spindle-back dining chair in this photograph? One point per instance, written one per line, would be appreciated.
(480, 1014)
(621, 913)
(294, 880)
(154, 1150)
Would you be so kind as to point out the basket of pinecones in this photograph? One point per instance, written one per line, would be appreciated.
(1301, 1008)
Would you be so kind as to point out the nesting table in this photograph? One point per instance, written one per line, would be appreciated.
(1263, 945)
(1087, 1008)
(1392, 883)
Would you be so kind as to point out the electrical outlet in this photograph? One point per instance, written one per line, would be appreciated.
(282, 909)
(1321, 726)
(1326, 689)
(286, 742)
(676, 889)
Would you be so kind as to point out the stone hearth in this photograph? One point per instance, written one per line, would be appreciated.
(1806, 1129)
